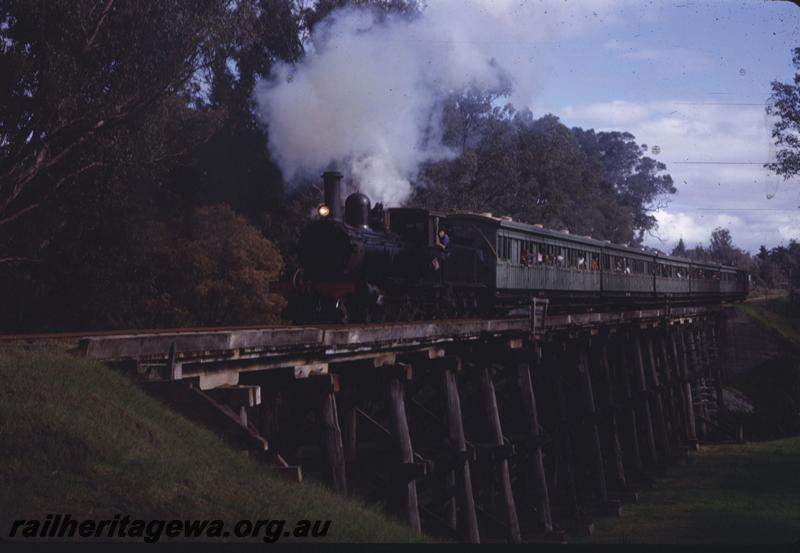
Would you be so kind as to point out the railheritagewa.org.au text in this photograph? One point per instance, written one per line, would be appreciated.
(65, 527)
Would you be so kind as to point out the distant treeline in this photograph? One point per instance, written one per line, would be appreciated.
(137, 188)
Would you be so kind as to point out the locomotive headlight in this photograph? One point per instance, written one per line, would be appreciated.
(324, 210)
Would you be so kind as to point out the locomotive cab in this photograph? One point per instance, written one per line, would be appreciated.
(416, 226)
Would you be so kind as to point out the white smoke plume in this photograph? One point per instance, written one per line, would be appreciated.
(366, 98)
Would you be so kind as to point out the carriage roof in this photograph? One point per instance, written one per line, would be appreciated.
(507, 223)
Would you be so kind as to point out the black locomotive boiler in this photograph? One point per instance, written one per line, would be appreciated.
(365, 264)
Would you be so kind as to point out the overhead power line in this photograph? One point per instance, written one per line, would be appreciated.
(735, 209)
(718, 162)
(719, 103)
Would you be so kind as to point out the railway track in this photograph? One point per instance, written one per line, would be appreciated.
(554, 309)
(45, 336)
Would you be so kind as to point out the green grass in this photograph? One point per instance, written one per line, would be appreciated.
(79, 438)
(779, 315)
(747, 493)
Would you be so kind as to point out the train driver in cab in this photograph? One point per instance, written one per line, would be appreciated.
(442, 239)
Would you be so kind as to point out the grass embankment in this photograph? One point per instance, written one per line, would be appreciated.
(79, 438)
(747, 493)
(776, 314)
(774, 385)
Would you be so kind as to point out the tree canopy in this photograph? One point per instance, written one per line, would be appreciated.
(118, 114)
(77, 74)
(779, 267)
(785, 106)
(720, 249)
(680, 249)
(539, 171)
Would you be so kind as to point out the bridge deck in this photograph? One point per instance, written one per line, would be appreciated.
(309, 349)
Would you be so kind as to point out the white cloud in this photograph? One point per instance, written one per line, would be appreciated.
(789, 227)
(733, 191)
(694, 229)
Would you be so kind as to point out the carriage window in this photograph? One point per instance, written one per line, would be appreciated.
(503, 247)
(525, 253)
(561, 257)
(582, 260)
(627, 265)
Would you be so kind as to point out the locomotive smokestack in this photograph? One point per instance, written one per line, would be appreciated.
(333, 193)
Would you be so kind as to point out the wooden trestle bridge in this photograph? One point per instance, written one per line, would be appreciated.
(520, 429)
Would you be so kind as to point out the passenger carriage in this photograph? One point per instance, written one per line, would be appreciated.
(520, 258)
(728, 281)
(672, 276)
(528, 257)
(626, 272)
(705, 279)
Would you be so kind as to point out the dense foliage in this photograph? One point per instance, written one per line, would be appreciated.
(779, 267)
(119, 115)
(539, 171)
(720, 249)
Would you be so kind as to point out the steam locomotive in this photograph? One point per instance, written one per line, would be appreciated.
(365, 264)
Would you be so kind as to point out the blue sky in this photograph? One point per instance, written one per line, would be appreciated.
(691, 77)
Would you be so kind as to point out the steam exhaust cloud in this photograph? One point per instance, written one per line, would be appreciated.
(368, 95)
